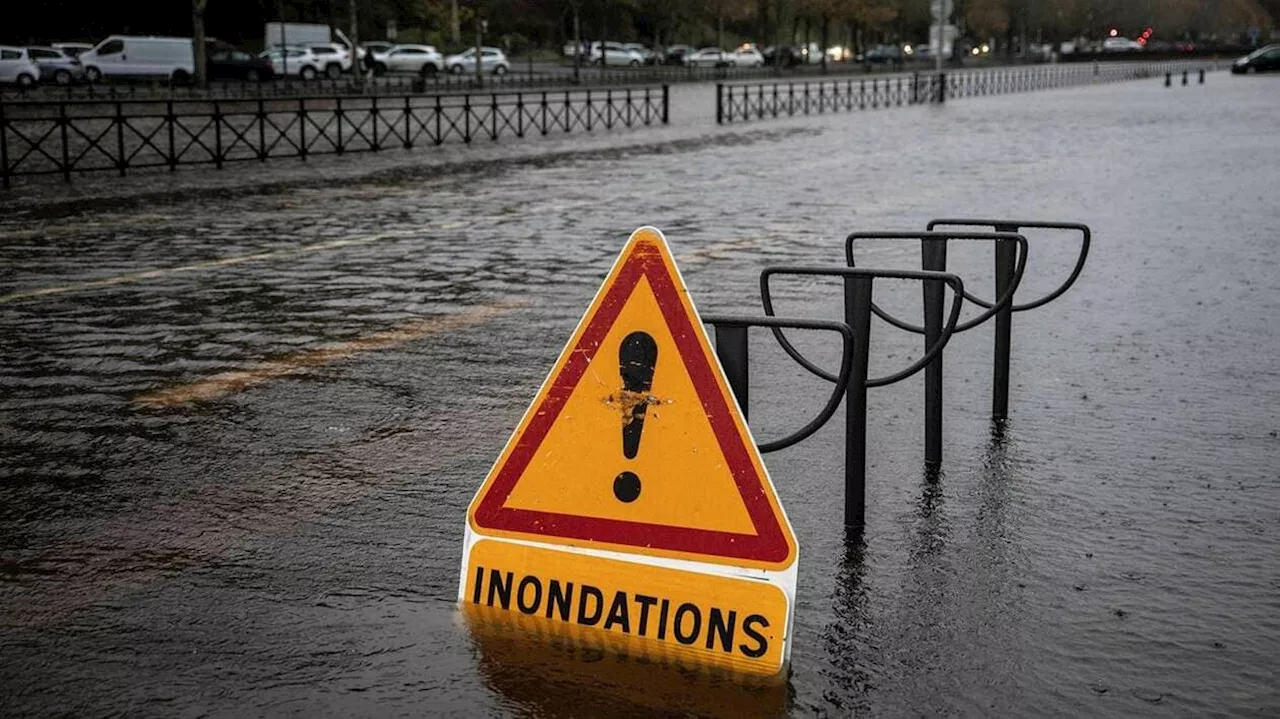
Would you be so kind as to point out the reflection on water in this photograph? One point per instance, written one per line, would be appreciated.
(557, 669)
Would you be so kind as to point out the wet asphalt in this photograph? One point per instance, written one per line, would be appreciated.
(240, 429)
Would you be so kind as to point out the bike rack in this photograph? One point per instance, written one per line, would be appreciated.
(1004, 318)
(858, 296)
(1011, 262)
(731, 350)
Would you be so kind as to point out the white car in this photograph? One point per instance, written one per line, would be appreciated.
(615, 53)
(709, 57)
(494, 61)
(1120, 44)
(748, 57)
(294, 62)
(138, 56)
(56, 66)
(73, 49)
(335, 59)
(418, 59)
(16, 66)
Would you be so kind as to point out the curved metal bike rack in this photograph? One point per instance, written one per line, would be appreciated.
(858, 297)
(1011, 262)
(1004, 319)
(731, 350)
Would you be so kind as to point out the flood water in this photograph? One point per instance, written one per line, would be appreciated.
(238, 434)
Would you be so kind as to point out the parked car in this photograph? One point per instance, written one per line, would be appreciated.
(747, 57)
(136, 56)
(56, 66)
(646, 55)
(73, 49)
(1264, 59)
(615, 53)
(228, 63)
(708, 57)
(493, 61)
(782, 55)
(377, 47)
(334, 59)
(17, 67)
(676, 53)
(881, 54)
(418, 59)
(1120, 44)
(294, 62)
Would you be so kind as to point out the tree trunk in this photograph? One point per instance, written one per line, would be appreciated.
(577, 46)
(454, 27)
(197, 43)
(355, 44)
(826, 23)
(479, 49)
(719, 28)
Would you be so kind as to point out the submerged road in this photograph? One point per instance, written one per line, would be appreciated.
(238, 434)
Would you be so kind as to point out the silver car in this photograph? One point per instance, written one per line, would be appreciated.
(56, 66)
(493, 60)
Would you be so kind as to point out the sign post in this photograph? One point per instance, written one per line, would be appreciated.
(631, 499)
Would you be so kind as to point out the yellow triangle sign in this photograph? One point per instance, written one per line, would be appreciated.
(635, 444)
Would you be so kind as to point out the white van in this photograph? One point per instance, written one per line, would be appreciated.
(130, 56)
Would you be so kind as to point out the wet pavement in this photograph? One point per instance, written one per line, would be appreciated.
(240, 431)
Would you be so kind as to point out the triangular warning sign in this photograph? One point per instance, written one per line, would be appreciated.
(634, 443)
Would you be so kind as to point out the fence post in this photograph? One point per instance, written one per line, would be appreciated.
(338, 114)
(466, 118)
(302, 128)
(120, 163)
(4, 149)
(439, 111)
(544, 112)
(520, 110)
(408, 128)
(719, 106)
(915, 88)
(732, 351)
(942, 87)
(493, 115)
(262, 132)
(857, 312)
(666, 102)
(373, 110)
(66, 150)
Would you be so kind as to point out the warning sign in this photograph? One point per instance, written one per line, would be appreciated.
(632, 497)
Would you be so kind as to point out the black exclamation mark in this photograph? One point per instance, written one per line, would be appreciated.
(637, 356)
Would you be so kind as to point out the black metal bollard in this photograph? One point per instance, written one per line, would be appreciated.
(1184, 78)
(1202, 76)
(1168, 79)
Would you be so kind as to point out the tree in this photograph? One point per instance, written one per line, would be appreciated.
(197, 42)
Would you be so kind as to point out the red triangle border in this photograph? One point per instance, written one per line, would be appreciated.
(769, 544)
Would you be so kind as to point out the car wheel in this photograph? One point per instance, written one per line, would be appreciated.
(251, 75)
(93, 74)
(62, 77)
(333, 70)
(456, 69)
(635, 63)
(25, 80)
(428, 70)
(180, 77)
(308, 73)
(500, 70)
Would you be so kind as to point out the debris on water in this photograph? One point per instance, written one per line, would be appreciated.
(1147, 695)
(1099, 688)
(1121, 613)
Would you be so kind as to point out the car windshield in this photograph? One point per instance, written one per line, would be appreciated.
(1263, 51)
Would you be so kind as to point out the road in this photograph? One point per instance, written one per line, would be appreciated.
(240, 429)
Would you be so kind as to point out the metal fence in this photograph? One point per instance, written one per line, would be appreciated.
(426, 84)
(759, 101)
(77, 136)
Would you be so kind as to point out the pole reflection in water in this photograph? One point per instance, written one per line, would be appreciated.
(553, 668)
(848, 637)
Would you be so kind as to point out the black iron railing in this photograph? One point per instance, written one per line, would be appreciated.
(758, 101)
(69, 137)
